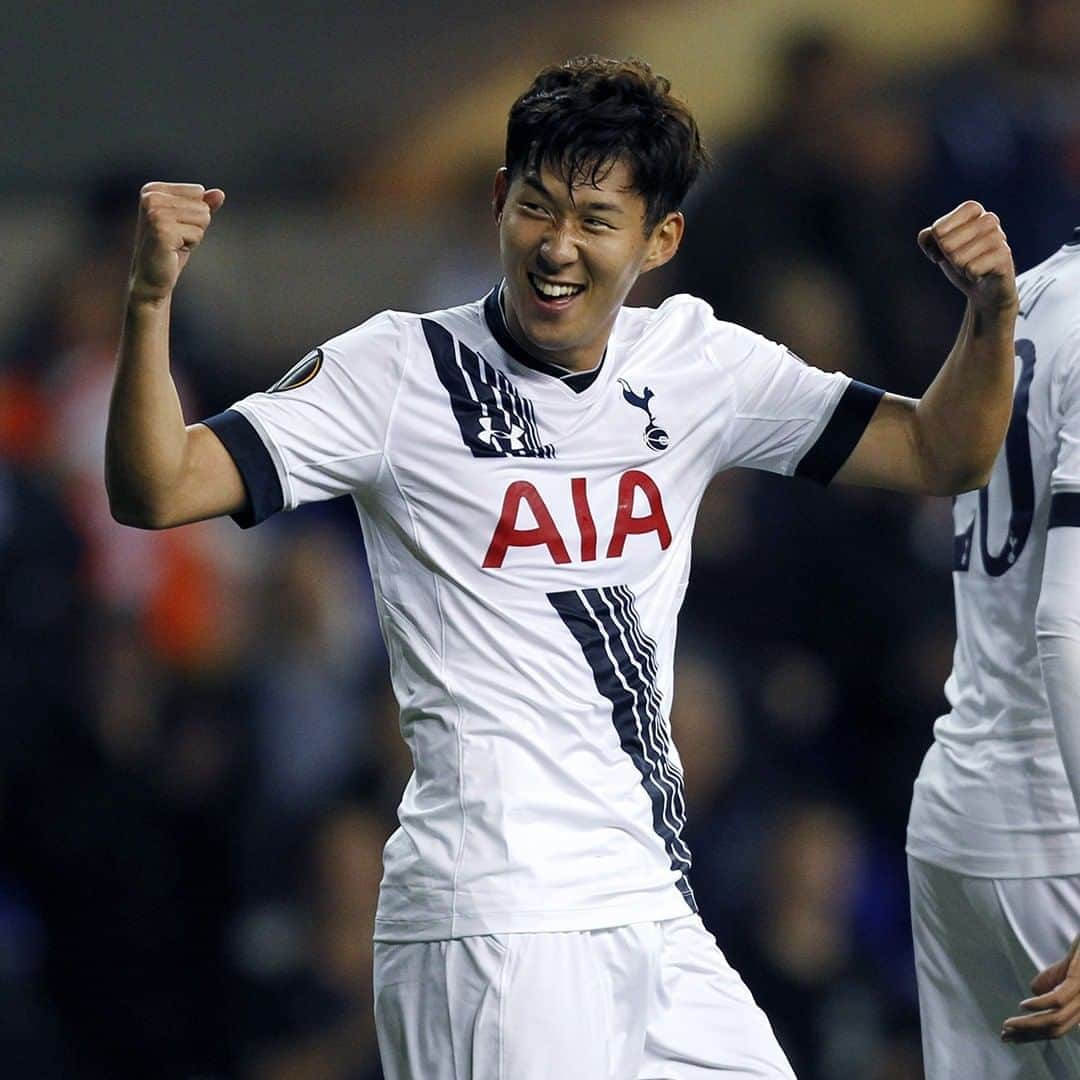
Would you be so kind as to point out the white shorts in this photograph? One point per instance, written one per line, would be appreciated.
(650, 1001)
(978, 944)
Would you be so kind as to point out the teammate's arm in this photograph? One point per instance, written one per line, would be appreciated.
(158, 471)
(946, 441)
(1055, 1010)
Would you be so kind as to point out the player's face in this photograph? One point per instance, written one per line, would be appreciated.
(571, 256)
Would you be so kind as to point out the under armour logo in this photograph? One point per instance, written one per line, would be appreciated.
(498, 439)
(656, 438)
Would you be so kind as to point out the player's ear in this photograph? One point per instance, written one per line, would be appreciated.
(664, 241)
(498, 195)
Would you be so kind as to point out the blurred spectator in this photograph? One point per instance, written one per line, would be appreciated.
(311, 680)
(43, 613)
(832, 182)
(467, 265)
(800, 956)
(728, 801)
(1006, 125)
(782, 189)
(313, 1017)
(115, 824)
(43, 606)
(813, 311)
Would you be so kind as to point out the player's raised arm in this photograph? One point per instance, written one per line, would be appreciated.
(946, 442)
(159, 472)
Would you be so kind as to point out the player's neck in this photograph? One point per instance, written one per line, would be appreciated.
(572, 361)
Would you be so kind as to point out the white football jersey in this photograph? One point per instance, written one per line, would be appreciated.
(992, 798)
(528, 532)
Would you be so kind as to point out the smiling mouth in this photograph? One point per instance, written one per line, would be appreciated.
(554, 292)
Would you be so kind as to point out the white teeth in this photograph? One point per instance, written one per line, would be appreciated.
(545, 288)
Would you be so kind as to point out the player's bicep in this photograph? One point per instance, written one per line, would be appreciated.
(889, 453)
(211, 484)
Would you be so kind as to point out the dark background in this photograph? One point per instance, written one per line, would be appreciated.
(198, 751)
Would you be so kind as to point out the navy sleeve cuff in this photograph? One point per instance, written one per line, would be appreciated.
(1064, 509)
(841, 434)
(264, 497)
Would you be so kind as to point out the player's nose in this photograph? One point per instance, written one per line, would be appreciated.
(558, 248)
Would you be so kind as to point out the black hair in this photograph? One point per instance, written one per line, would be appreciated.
(582, 117)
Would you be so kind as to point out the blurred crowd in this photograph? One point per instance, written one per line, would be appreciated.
(199, 758)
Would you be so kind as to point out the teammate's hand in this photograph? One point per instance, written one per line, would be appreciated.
(1056, 1009)
(173, 219)
(970, 247)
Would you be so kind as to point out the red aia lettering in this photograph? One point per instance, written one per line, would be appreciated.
(625, 522)
(508, 535)
(546, 532)
(583, 513)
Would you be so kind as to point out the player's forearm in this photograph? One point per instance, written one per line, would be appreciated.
(1059, 656)
(962, 418)
(1057, 628)
(146, 437)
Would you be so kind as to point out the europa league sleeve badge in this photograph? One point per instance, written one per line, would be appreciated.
(300, 374)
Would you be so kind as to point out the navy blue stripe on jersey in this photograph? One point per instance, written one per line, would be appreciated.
(1064, 509)
(622, 659)
(256, 467)
(841, 434)
(641, 654)
(496, 321)
(505, 398)
(494, 419)
(644, 649)
(647, 716)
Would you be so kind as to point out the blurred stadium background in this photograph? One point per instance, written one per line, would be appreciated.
(199, 758)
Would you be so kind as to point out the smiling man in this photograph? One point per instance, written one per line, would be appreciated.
(526, 470)
(564, 290)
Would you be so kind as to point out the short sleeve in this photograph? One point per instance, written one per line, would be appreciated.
(1065, 478)
(791, 418)
(319, 431)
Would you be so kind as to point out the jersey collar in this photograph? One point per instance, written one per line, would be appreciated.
(495, 318)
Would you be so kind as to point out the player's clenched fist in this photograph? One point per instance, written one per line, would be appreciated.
(970, 247)
(173, 219)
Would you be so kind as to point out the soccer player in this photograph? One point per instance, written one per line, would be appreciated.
(994, 835)
(526, 470)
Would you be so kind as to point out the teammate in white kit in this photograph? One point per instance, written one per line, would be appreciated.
(526, 470)
(994, 836)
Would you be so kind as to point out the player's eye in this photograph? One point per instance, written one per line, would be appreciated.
(598, 224)
(534, 208)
